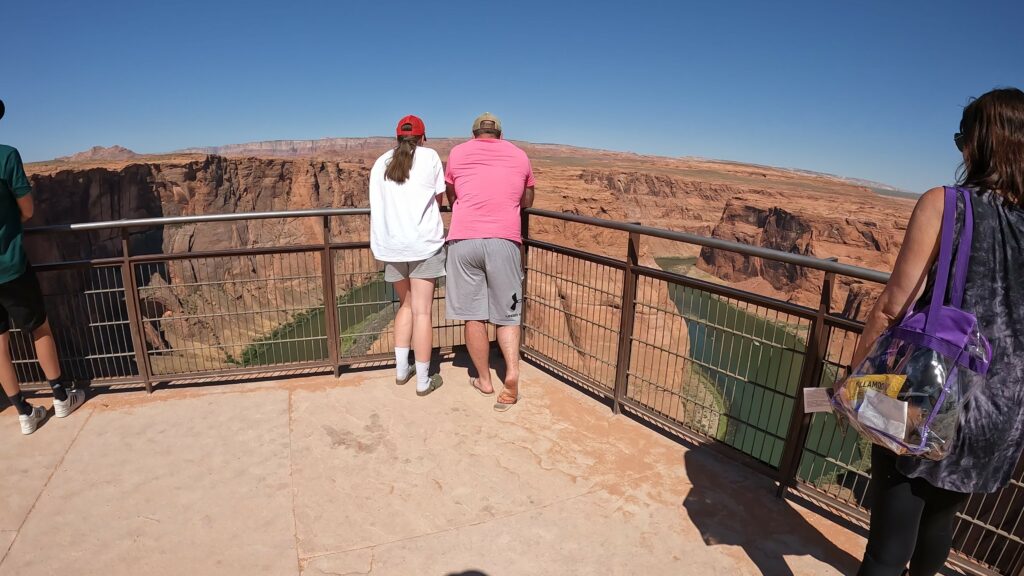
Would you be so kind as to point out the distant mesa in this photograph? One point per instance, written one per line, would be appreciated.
(363, 151)
(100, 153)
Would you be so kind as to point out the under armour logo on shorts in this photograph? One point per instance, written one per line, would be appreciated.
(515, 302)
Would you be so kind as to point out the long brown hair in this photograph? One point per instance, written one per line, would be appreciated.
(993, 138)
(401, 161)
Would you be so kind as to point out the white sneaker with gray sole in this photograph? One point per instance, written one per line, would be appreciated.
(64, 409)
(31, 422)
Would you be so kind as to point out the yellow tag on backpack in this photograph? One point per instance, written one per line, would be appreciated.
(888, 384)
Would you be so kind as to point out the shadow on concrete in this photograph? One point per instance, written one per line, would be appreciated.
(461, 359)
(733, 507)
(468, 573)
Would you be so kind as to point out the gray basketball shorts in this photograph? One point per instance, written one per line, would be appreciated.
(485, 281)
(430, 268)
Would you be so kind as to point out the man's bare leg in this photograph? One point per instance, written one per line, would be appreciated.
(65, 401)
(29, 416)
(508, 341)
(46, 352)
(479, 347)
(8, 377)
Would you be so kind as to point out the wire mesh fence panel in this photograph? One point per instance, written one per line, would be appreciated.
(87, 314)
(989, 530)
(835, 462)
(572, 315)
(229, 312)
(366, 304)
(721, 367)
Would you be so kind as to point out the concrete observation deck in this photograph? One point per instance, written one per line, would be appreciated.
(320, 476)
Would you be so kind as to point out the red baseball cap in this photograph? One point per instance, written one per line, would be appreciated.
(415, 127)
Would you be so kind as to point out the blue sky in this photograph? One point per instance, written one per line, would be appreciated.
(864, 89)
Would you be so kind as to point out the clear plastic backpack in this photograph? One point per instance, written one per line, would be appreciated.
(908, 394)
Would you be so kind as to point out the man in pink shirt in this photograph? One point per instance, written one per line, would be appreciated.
(489, 181)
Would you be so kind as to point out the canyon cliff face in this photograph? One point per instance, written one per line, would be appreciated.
(208, 185)
(275, 285)
(855, 233)
(820, 219)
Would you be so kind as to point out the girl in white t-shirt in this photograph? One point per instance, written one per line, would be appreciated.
(407, 235)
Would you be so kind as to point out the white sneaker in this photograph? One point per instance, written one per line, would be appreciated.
(31, 422)
(64, 409)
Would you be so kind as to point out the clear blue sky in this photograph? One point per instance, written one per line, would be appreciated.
(864, 89)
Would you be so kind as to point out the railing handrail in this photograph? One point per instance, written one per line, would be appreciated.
(729, 245)
(229, 217)
(738, 247)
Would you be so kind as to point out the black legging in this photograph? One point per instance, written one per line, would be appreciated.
(911, 521)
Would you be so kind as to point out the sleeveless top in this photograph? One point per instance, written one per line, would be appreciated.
(991, 435)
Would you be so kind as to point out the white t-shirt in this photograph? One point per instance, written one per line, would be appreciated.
(405, 219)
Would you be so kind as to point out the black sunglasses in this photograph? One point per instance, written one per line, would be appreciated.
(958, 139)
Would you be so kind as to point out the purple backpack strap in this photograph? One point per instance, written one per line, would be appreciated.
(945, 260)
(963, 255)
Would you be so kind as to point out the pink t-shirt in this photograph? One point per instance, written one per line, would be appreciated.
(489, 176)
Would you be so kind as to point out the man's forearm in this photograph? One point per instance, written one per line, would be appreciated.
(449, 191)
(27, 207)
(527, 200)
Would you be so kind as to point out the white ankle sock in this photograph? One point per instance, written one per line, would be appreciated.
(401, 362)
(422, 376)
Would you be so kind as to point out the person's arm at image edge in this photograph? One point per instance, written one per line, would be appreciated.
(27, 206)
(17, 182)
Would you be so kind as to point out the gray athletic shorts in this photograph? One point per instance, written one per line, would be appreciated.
(430, 268)
(485, 281)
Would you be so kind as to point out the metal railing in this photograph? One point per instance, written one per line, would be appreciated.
(158, 300)
(148, 315)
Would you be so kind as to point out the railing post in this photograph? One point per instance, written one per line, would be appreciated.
(627, 314)
(524, 261)
(135, 325)
(810, 377)
(330, 301)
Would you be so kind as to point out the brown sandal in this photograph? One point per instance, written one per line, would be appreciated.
(500, 406)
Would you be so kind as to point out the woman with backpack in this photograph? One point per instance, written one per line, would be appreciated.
(407, 235)
(915, 500)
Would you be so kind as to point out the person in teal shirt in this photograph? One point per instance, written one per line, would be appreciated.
(21, 299)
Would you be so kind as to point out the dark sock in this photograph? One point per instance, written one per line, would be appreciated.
(19, 403)
(59, 393)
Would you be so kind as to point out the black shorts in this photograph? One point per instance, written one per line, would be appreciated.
(21, 300)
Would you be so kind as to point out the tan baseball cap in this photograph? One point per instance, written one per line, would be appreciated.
(486, 117)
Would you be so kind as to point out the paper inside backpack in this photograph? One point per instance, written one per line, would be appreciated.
(883, 413)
